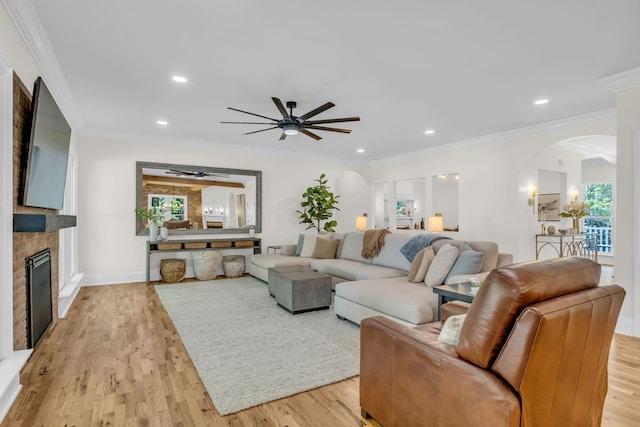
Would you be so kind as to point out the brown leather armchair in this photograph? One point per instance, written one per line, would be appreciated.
(533, 351)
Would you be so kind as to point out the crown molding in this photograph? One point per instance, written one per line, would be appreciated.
(621, 81)
(501, 136)
(28, 25)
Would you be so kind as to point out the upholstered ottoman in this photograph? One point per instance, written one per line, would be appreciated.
(300, 291)
(273, 273)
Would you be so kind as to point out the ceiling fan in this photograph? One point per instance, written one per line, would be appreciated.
(196, 174)
(291, 124)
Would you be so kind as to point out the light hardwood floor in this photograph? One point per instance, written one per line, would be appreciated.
(116, 359)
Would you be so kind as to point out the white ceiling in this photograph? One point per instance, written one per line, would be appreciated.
(466, 69)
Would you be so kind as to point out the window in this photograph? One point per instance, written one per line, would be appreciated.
(175, 206)
(599, 221)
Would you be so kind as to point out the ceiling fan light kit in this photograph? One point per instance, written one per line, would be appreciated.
(291, 124)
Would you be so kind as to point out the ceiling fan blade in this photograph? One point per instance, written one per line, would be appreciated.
(261, 130)
(342, 119)
(317, 111)
(281, 108)
(253, 114)
(248, 123)
(283, 137)
(329, 129)
(312, 135)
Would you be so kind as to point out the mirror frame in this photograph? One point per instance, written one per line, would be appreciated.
(140, 227)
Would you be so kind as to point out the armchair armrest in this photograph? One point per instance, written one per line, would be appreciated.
(288, 250)
(504, 259)
(407, 376)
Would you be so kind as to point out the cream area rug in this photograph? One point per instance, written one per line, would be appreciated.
(249, 351)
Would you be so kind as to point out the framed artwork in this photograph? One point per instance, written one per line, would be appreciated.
(549, 207)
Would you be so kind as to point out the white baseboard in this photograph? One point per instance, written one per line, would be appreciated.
(114, 278)
(68, 294)
(625, 326)
(10, 379)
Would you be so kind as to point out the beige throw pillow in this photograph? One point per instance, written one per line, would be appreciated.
(325, 248)
(441, 264)
(415, 265)
(427, 259)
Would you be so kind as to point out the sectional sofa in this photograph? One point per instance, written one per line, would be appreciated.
(380, 285)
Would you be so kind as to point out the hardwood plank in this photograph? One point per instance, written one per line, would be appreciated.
(116, 359)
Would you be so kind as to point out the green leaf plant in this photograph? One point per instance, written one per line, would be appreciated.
(317, 206)
(153, 214)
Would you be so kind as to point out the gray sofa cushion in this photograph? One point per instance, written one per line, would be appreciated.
(352, 248)
(390, 255)
(354, 270)
(397, 297)
(275, 260)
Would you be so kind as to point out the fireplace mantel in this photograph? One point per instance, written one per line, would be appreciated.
(35, 223)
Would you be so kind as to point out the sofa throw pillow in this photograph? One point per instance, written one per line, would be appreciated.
(299, 245)
(468, 262)
(441, 264)
(309, 245)
(415, 265)
(325, 248)
(427, 259)
(450, 333)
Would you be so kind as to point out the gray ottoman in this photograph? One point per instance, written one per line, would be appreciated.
(300, 291)
(273, 273)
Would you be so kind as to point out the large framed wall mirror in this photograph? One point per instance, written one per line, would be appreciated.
(200, 199)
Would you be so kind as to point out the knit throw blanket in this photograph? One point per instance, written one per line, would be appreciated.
(373, 241)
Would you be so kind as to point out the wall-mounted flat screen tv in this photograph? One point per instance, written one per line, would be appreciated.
(48, 151)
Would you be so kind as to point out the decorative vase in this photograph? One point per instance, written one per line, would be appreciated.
(153, 231)
(164, 233)
(252, 232)
(576, 225)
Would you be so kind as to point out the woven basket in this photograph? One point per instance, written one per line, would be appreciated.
(198, 245)
(169, 246)
(233, 265)
(220, 244)
(172, 269)
(206, 264)
(244, 244)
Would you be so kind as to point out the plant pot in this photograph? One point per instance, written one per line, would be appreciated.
(153, 231)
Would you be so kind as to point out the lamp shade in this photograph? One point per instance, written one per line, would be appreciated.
(435, 224)
(361, 223)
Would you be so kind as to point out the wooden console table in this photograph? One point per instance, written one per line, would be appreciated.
(217, 244)
(581, 244)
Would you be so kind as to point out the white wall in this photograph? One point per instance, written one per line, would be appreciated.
(110, 252)
(626, 238)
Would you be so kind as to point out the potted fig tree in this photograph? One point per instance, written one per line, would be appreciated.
(318, 204)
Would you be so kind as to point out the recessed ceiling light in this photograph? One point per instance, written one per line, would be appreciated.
(360, 150)
(179, 79)
(541, 101)
(429, 132)
(162, 122)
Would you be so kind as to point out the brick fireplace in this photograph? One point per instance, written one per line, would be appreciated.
(26, 244)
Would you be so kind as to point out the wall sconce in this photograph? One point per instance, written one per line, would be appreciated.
(532, 202)
(361, 222)
(435, 224)
(575, 195)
